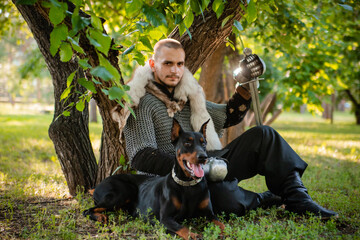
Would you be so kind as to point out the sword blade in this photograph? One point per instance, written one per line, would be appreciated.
(256, 102)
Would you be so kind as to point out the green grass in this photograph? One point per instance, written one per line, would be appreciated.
(35, 204)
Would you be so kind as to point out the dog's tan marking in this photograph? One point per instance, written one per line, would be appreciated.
(184, 233)
(190, 157)
(204, 203)
(220, 224)
(176, 202)
(98, 210)
(101, 218)
(91, 191)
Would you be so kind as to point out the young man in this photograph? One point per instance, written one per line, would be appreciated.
(164, 89)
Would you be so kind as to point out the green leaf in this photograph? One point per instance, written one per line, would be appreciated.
(267, 8)
(66, 92)
(129, 50)
(58, 34)
(75, 45)
(299, 6)
(188, 32)
(102, 40)
(251, 12)
(178, 18)
(78, 22)
(205, 3)
(347, 7)
(156, 34)
(77, 3)
(57, 14)
(238, 25)
(226, 20)
(195, 6)
(155, 17)
(216, 6)
(189, 19)
(66, 113)
(84, 63)
(80, 105)
(70, 78)
(133, 7)
(116, 93)
(66, 52)
(140, 58)
(110, 68)
(96, 22)
(102, 73)
(87, 84)
(146, 42)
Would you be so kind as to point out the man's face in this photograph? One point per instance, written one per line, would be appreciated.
(168, 67)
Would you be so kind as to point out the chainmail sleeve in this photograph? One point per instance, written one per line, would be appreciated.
(218, 115)
(149, 130)
(139, 132)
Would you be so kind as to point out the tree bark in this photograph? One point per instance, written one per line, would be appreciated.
(356, 105)
(211, 76)
(70, 135)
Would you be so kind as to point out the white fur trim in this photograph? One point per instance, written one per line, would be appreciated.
(187, 89)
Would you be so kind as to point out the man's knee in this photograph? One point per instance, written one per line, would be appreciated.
(262, 130)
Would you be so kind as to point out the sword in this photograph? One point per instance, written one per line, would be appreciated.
(251, 67)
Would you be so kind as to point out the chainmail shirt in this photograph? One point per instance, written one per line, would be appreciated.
(152, 125)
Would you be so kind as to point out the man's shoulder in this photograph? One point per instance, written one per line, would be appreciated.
(149, 100)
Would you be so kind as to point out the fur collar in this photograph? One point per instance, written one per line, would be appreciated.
(188, 89)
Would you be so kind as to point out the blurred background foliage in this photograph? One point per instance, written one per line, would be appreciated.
(311, 47)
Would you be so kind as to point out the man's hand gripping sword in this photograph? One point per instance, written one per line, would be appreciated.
(247, 75)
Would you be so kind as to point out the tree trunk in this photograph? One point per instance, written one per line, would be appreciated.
(211, 76)
(356, 105)
(70, 135)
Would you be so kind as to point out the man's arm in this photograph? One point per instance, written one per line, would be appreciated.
(232, 113)
(151, 160)
(237, 107)
(141, 143)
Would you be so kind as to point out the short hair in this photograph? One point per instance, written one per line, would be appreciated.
(168, 42)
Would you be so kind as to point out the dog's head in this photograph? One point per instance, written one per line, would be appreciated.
(190, 149)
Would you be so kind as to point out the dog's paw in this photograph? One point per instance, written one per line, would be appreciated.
(101, 218)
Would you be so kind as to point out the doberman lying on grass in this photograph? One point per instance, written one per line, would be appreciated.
(180, 195)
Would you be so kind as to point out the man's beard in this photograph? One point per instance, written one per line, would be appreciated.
(169, 76)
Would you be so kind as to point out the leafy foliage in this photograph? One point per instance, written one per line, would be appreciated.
(311, 48)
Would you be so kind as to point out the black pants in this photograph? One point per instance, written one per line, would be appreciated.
(259, 150)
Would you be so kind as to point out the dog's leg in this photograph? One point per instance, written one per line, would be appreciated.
(96, 214)
(186, 234)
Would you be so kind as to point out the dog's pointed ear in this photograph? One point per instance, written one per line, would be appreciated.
(176, 130)
(203, 128)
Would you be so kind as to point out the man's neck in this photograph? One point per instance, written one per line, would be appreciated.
(165, 90)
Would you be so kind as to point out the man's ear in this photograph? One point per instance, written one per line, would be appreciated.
(152, 64)
(203, 128)
(176, 130)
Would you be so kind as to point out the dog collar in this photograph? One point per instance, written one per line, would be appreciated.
(184, 183)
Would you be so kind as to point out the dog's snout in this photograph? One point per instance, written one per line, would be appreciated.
(202, 157)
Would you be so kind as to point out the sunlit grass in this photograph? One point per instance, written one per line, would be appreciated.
(31, 179)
